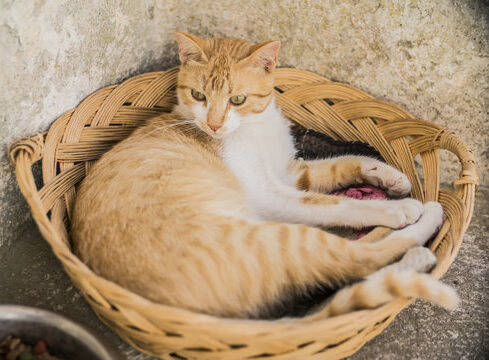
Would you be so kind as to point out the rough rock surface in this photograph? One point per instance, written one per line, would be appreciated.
(431, 58)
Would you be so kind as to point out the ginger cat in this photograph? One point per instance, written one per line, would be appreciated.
(208, 210)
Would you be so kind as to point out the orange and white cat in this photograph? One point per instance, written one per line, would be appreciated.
(207, 208)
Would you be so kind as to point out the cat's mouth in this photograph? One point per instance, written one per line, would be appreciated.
(216, 135)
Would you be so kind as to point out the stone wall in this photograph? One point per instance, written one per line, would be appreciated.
(429, 57)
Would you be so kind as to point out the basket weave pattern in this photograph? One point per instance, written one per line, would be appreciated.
(82, 135)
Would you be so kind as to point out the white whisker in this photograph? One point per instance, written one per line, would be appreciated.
(166, 127)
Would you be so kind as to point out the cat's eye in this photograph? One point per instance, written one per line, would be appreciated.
(197, 95)
(237, 99)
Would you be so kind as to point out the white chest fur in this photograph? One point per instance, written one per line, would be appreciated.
(259, 152)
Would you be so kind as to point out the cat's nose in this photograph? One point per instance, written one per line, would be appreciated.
(215, 127)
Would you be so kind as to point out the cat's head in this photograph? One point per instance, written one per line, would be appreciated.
(223, 81)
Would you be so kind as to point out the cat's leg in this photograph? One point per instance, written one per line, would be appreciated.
(418, 258)
(237, 267)
(286, 204)
(277, 201)
(353, 259)
(331, 174)
(413, 235)
(309, 256)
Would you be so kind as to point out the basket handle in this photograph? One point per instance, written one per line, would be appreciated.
(468, 175)
(33, 146)
(23, 153)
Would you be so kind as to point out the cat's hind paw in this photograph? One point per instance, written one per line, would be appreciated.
(419, 258)
(427, 225)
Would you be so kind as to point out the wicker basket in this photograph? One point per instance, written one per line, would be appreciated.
(83, 134)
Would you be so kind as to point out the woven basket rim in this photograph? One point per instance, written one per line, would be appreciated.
(25, 152)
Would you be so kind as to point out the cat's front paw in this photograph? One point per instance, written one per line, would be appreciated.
(400, 213)
(382, 175)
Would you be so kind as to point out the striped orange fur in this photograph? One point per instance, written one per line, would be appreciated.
(171, 214)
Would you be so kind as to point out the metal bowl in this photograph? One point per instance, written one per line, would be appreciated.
(63, 337)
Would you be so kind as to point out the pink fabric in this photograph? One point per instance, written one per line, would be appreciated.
(366, 192)
(363, 192)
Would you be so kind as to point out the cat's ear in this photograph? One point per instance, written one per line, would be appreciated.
(263, 55)
(190, 48)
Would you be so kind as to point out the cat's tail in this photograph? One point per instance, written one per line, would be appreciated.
(400, 279)
(377, 291)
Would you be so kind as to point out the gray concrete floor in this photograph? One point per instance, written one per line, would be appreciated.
(31, 275)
